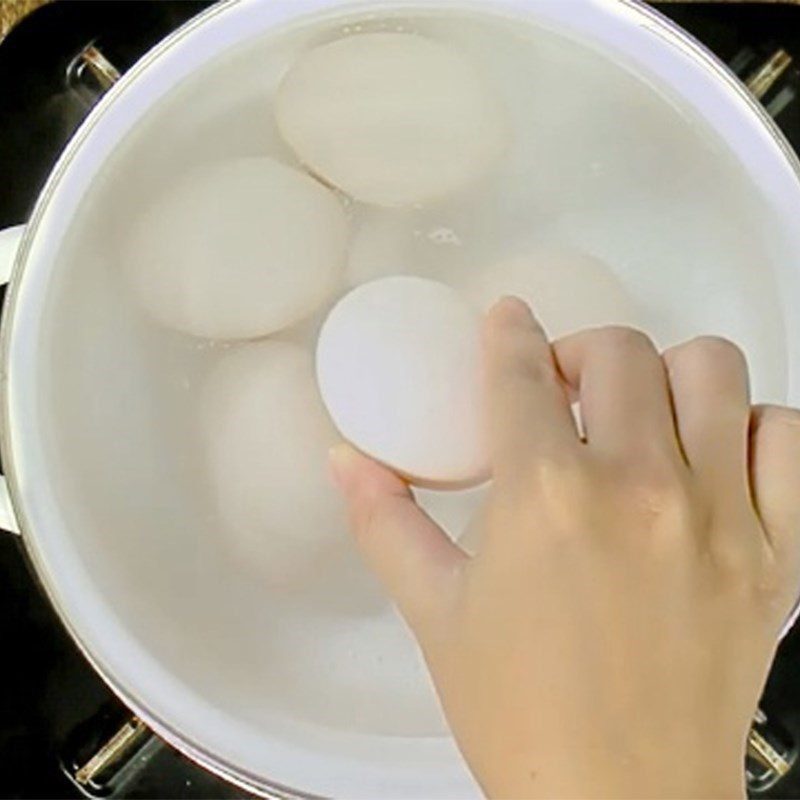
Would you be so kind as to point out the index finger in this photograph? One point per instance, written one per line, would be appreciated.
(529, 411)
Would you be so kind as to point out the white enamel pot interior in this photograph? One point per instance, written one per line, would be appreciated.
(80, 527)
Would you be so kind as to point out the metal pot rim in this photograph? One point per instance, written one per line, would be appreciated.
(728, 83)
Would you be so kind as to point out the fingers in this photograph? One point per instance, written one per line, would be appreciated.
(529, 413)
(775, 476)
(412, 556)
(623, 389)
(711, 396)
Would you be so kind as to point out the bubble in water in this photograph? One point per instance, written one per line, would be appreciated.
(445, 236)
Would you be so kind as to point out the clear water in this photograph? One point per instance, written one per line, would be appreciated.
(603, 164)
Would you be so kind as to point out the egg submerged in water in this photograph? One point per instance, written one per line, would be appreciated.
(391, 118)
(237, 249)
(567, 289)
(266, 440)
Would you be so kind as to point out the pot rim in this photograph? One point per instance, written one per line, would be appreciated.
(216, 764)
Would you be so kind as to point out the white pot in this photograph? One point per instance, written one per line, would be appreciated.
(272, 762)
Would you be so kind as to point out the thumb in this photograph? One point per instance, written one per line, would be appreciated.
(412, 556)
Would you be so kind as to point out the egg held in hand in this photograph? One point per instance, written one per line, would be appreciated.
(399, 370)
(237, 249)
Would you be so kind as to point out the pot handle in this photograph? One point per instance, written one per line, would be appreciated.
(10, 239)
(90, 75)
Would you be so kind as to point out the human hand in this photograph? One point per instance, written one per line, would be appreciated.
(613, 633)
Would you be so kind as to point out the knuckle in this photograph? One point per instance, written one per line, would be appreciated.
(616, 337)
(788, 419)
(661, 495)
(713, 350)
(736, 563)
(666, 514)
(554, 470)
(731, 559)
(560, 487)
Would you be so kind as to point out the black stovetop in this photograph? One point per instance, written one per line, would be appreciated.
(54, 711)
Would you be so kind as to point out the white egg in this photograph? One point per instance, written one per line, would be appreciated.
(399, 369)
(266, 438)
(408, 241)
(238, 249)
(391, 118)
(567, 289)
(691, 263)
(381, 246)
